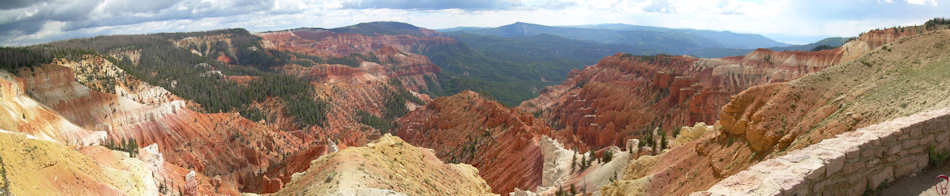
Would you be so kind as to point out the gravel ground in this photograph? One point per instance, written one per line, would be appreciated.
(924, 183)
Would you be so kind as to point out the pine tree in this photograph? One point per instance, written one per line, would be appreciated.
(664, 142)
(573, 191)
(608, 155)
(573, 162)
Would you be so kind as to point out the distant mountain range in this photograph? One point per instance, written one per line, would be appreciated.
(831, 42)
(646, 40)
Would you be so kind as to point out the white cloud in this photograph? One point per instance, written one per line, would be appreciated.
(923, 2)
(61, 19)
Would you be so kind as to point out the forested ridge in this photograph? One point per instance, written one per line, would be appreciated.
(190, 76)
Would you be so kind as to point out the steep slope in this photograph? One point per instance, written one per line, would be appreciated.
(903, 73)
(898, 79)
(467, 128)
(363, 75)
(21, 113)
(387, 166)
(623, 96)
(45, 159)
(214, 144)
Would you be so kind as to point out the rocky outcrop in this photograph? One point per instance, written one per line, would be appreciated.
(21, 113)
(100, 74)
(364, 85)
(623, 96)
(469, 129)
(218, 46)
(387, 166)
(563, 169)
(689, 134)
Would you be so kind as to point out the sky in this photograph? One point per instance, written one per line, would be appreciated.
(26, 22)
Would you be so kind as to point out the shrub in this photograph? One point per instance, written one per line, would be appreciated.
(308, 111)
(936, 158)
(608, 155)
(383, 125)
(821, 47)
(932, 23)
(127, 145)
(252, 114)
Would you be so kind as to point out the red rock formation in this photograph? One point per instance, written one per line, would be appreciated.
(502, 143)
(251, 156)
(622, 96)
(393, 53)
(349, 88)
(319, 42)
(770, 119)
(224, 59)
(224, 144)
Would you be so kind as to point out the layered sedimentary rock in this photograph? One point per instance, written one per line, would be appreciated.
(219, 46)
(393, 54)
(366, 84)
(224, 144)
(469, 129)
(387, 166)
(905, 75)
(21, 113)
(623, 96)
(359, 84)
(851, 95)
(332, 42)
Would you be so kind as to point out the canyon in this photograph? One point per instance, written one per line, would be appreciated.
(624, 96)
(353, 111)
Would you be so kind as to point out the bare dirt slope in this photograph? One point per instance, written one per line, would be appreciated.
(32, 166)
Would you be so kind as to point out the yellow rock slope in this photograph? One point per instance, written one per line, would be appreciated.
(32, 166)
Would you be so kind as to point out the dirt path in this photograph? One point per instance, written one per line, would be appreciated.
(924, 183)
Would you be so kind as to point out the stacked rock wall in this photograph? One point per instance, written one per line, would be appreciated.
(850, 163)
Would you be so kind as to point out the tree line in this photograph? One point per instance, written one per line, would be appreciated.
(185, 74)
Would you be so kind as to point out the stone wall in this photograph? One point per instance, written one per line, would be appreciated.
(848, 164)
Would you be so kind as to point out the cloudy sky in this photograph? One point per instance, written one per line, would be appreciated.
(24, 22)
